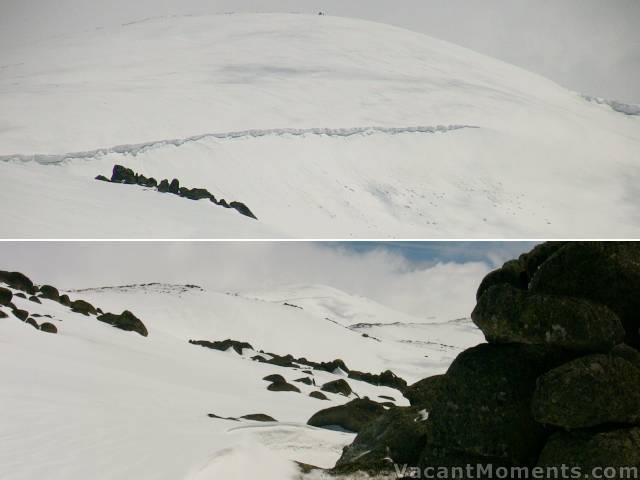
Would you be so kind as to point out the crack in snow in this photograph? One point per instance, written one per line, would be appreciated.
(134, 149)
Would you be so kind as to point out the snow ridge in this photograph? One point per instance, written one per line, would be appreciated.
(134, 149)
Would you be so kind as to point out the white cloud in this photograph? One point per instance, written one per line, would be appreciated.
(444, 289)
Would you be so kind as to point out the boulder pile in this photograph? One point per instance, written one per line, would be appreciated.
(557, 384)
(121, 174)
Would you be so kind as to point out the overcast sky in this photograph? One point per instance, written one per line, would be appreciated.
(591, 46)
(421, 278)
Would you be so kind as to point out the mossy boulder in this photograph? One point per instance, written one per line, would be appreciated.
(508, 315)
(163, 186)
(305, 380)
(18, 280)
(48, 327)
(603, 272)
(6, 296)
(425, 392)
(630, 354)
(485, 405)
(65, 300)
(21, 314)
(339, 386)
(352, 416)
(587, 392)
(32, 322)
(443, 459)
(121, 174)
(259, 417)
(125, 321)
(385, 379)
(243, 209)
(587, 450)
(223, 345)
(49, 292)
(397, 435)
(282, 387)
(511, 273)
(83, 307)
(275, 377)
(174, 186)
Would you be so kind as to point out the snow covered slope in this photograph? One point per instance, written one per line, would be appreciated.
(96, 402)
(325, 127)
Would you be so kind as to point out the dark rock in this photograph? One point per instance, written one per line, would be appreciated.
(125, 321)
(34, 299)
(21, 295)
(587, 450)
(511, 273)
(32, 322)
(213, 415)
(64, 300)
(387, 397)
(425, 392)
(485, 405)
(532, 260)
(318, 395)
(259, 417)
(21, 314)
(437, 457)
(604, 272)
(243, 209)
(223, 203)
(48, 327)
(397, 435)
(587, 392)
(385, 379)
(630, 354)
(5, 296)
(174, 186)
(275, 377)
(85, 308)
(195, 193)
(508, 315)
(18, 281)
(3, 314)
(223, 345)
(330, 367)
(49, 292)
(337, 386)
(163, 186)
(102, 178)
(151, 182)
(351, 416)
(305, 380)
(122, 174)
(283, 387)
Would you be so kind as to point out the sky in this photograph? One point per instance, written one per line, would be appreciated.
(425, 279)
(589, 46)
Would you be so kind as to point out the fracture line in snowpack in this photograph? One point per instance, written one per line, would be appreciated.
(134, 149)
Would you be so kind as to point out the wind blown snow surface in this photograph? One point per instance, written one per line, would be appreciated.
(338, 128)
(96, 402)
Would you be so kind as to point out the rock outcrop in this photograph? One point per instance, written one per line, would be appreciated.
(121, 174)
(351, 416)
(558, 382)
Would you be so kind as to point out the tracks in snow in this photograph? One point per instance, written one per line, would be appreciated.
(134, 149)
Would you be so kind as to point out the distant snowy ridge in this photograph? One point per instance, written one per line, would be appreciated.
(626, 108)
(134, 149)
